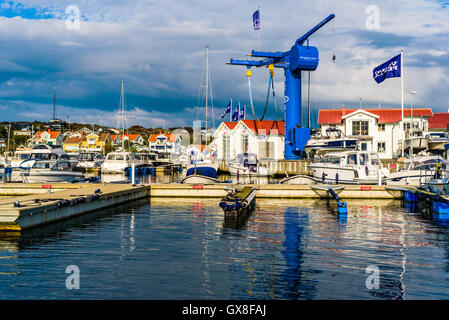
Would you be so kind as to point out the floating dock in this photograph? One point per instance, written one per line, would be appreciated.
(21, 213)
(33, 205)
(270, 191)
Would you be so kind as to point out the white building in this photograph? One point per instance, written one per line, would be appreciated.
(264, 138)
(378, 130)
(165, 143)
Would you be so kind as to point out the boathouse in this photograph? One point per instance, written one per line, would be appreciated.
(377, 129)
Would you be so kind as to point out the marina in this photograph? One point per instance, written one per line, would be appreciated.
(299, 177)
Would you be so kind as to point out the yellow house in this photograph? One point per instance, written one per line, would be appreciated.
(95, 142)
(73, 144)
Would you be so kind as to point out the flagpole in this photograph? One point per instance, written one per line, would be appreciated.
(402, 100)
(230, 112)
(258, 32)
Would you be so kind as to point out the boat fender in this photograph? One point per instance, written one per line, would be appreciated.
(17, 204)
(98, 191)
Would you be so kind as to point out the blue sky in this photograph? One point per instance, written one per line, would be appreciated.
(157, 47)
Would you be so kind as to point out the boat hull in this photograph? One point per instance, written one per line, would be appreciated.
(299, 180)
(245, 171)
(199, 179)
(51, 177)
(345, 175)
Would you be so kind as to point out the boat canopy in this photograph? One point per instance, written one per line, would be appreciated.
(203, 171)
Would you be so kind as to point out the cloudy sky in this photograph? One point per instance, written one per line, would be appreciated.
(158, 49)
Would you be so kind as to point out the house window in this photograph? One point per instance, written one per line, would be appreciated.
(363, 146)
(381, 126)
(244, 143)
(381, 147)
(359, 128)
(226, 147)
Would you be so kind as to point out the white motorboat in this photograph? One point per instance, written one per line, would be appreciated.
(334, 140)
(349, 167)
(200, 175)
(117, 162)
(44, 152)
(415, 171)
(246, 164)
(48, 171)
(19, 156)
(436, 141)
(88, 160)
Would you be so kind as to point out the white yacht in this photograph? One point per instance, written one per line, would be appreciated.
(246, 164)
(415, 171)
(437, 140)
(87, 160)
(349, 167)
(44, 152)
(334, 140)
(48, 171)
(118, 162)
(19, 156)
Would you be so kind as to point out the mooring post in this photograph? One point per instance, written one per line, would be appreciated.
(133, 173)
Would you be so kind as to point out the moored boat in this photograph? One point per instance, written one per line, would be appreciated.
(200, 175)
(349, 167)
(47, 171)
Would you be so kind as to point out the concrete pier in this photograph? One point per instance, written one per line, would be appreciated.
(40, 209)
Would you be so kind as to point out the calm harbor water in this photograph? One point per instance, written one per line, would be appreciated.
(185, 249)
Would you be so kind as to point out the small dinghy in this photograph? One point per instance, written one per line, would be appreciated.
(238, 200)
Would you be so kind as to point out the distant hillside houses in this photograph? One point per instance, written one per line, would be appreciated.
(47, 137)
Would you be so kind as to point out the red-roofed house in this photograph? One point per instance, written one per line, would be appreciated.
(264, 138)
(377, 129)
(439, 122)
(164, 142)
(48, 137)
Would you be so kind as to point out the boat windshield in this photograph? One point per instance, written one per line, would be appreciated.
(61, 166)
(86, 156)
(44, 156)
(41, 165)
(330, 159)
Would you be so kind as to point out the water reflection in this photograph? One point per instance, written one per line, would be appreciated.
(186, 249)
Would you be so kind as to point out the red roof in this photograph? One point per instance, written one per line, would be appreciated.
(53, 134)
(171, 137)
(439, 120)
(334, 116)
(230, 124)
(265, 126)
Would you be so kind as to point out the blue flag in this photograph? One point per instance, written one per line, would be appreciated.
(389, 69)
(242, 113)
(235, 114)
(227, 110)
(256, 19)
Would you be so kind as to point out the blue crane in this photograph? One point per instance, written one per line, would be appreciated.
(299, 57)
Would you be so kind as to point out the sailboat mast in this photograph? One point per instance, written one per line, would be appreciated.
(122, 101)
(207, 83)
(54, 103)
